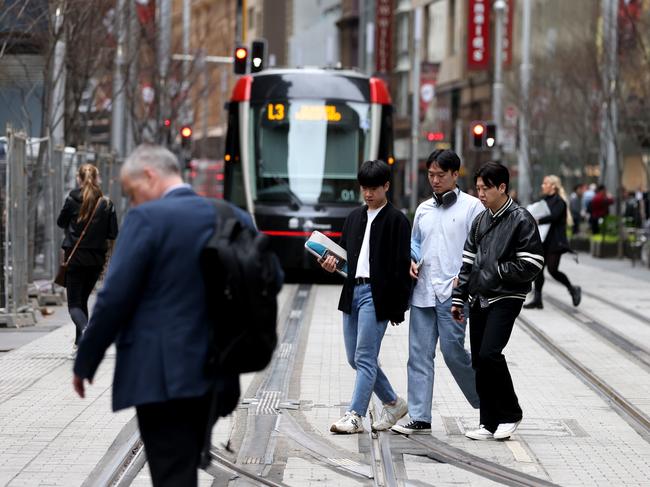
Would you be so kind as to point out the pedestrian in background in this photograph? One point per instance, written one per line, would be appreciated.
(153, 306)
(599, 208)
(376, 237)
(85, 208)
(556, 242)
(440, 228)
(502, 255)
(575, 206)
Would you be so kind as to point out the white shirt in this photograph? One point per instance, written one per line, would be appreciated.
(438, 238)
(363, 264)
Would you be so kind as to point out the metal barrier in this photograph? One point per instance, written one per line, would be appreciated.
(17, 310)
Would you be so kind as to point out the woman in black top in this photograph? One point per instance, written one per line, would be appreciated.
(88, 260)
(556, 242)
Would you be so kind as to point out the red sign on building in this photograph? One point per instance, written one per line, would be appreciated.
(383, 35)
(478, 34)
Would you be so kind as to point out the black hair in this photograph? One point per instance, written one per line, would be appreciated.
(447, 159)
(373, 173)
(493, 174)
(600, 187)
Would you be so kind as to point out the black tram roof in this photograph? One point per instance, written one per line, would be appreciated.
(278, 84)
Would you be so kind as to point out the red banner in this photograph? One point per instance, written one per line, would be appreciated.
(384, 36)
(478, 34)
(146, 11)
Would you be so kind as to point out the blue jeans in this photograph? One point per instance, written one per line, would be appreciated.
(426, 325)
(362, 334)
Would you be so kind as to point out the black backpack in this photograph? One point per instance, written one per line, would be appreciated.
(241, 278)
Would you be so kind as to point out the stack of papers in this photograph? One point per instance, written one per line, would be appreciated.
(322, 246)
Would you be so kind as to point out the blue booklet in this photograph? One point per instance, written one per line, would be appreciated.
(322, 246)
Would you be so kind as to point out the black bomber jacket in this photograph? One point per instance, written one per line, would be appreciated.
(503, 253)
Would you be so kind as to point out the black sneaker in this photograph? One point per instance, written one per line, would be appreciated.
(413, 428)
(576, 295)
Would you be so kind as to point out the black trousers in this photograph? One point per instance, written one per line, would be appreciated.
(79, 283)
(552, 263)
(489, 332)
(173, 433)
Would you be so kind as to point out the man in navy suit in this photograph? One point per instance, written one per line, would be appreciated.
(153, 306)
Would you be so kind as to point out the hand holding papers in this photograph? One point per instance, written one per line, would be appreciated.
(540, 209)
(322, 247)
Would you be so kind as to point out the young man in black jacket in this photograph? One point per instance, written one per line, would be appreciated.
(377, 239)
(502, 255)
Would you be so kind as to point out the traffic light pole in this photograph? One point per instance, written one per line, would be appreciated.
(523, 164)
(415, 110)
(187, 20)
(497, 89)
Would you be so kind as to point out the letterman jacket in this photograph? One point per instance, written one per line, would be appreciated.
(503, 253)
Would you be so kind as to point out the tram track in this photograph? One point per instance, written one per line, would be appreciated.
(628, 411)
(584, 319)
(444, 453)
(381, 454)
(630, 312)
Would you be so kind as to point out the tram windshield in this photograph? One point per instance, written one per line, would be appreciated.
(308, 151)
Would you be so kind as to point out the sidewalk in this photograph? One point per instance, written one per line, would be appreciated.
(48, 435)
(569, 435)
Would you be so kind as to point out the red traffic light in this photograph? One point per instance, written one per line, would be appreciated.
(186, 132)
(435, 136)
(167, 122)
(478, 129)
(240, 53)
(240, 60)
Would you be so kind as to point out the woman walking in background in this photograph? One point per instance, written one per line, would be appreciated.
(556, 242)
(85, 208)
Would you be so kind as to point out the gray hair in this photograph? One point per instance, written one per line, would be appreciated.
(156, 157)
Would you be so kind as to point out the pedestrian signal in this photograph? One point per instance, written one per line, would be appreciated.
(241, 60)
(490, 135)
(258, 55)
(477, 134)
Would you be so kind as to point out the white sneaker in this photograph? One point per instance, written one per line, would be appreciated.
(350, 423)
(391, 415)
(505, 430)
(480, 434)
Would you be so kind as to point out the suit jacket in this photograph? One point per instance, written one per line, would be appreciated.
(153, 303)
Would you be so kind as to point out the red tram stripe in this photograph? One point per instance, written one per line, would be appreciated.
(289, 233)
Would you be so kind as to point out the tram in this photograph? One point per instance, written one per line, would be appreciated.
(295, 141)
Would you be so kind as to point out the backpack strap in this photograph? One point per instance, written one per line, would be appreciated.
(227, 219)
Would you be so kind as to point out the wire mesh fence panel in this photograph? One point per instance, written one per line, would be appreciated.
(16, 238)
